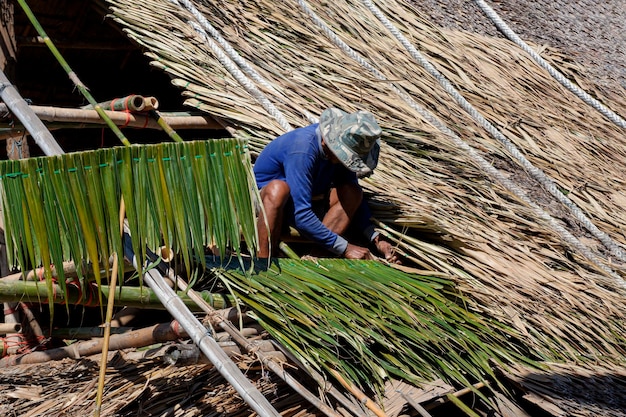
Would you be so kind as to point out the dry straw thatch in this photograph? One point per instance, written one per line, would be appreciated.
(147, 387)
(449, 216)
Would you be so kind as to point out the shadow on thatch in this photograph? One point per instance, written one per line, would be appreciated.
(571, 390)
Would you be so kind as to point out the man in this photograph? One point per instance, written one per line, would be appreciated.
(324, 160)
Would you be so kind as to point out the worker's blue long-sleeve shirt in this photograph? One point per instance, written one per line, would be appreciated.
(298, 159)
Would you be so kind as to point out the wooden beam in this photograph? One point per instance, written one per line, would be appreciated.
(84, 118)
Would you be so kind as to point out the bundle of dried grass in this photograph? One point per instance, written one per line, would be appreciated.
(448, 215)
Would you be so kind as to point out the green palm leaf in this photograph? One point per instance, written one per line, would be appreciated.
(370, 321)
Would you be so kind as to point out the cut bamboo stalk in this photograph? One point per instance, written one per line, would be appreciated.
(158, 333)
(9, 328)
(133, 102)
(151, 103)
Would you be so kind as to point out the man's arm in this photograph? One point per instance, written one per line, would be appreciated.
(299, 174)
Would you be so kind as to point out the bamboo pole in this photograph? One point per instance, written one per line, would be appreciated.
(140, 297)
(158, 333)
(81, 118)
(10, 328)
(14, 101)
(198, 334)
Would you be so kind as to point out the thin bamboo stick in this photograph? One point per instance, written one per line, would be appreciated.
(364, 399)
(167, 128)
(109, 315)
(417, 406)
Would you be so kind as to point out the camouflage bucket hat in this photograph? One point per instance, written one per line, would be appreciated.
(353, 138)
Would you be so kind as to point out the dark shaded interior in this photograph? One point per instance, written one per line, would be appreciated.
(103, 58)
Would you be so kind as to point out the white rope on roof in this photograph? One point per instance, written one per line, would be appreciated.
(232, 67)
(474, 154)
(535, 172)
(233, 54)
(580, 93)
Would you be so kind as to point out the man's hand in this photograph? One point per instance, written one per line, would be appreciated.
(386, 249)
(357, 252)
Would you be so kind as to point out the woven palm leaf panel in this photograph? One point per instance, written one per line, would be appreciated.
(186, 196)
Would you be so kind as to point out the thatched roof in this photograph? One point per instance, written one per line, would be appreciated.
(513, 263)
(448, 214)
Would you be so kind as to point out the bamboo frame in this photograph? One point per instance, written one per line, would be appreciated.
(83, 118)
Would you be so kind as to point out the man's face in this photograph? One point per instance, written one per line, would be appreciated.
(329, 154)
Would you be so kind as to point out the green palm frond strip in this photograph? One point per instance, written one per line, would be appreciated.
(369, 321)
(183, 195)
